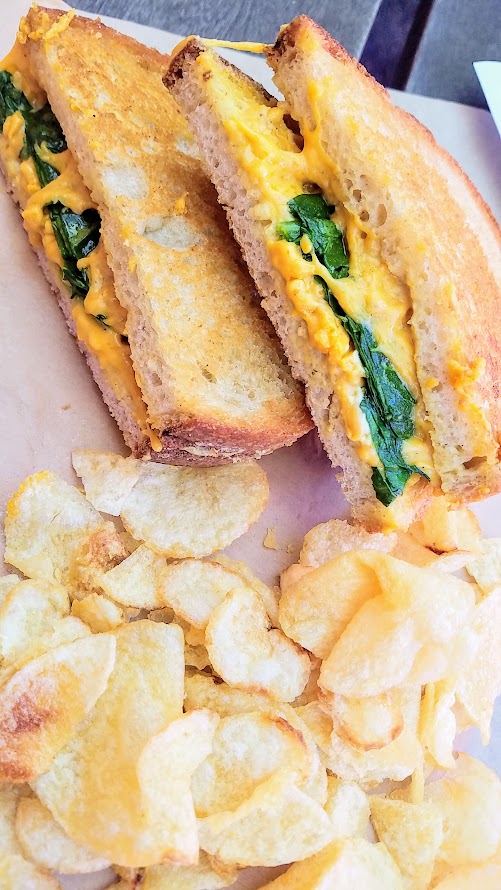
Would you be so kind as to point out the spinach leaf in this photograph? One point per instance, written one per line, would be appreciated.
(387, 402)
(312, 218)
(11, 99)
(76, 234)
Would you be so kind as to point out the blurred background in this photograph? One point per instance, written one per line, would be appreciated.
(423, 46)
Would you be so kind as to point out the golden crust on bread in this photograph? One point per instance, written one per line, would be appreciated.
(207, 361)
(436, 227)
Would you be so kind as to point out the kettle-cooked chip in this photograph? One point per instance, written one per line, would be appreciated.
(484, 877)
(326, 541)
(92, 787)
(409, 550)
(45, 843)
(443, 528)
(247, 749)
(30, 610)
(194, 511)
(42, 704)
(203, 692)
(412, 833)
(136, 582)
(196, 877)
(437, 723)
(270, 596)
(106, 477)
(17, 873)
(479, 683)
(366, 723)
(469, 799)
(276, 825)
(316, 609)
(395, 761)
(349, 864)
(347, 806)
(98, 612)
(375, 652)
(10, 795)
(247, 654)
(486, 567)
(7, 582)
(53, 534)
(164, 771)
(194, 587)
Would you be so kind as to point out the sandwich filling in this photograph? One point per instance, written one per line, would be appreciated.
(355, 309)
(61, 219)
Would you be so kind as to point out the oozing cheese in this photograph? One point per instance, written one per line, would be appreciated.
(105, 342)
(278, 169)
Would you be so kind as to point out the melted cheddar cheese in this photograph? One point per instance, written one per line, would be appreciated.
(278, 169)
(105, 341)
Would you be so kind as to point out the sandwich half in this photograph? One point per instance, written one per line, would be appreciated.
(377, 261)
(128, 231)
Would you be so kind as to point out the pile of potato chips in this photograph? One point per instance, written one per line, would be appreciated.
(164, 712)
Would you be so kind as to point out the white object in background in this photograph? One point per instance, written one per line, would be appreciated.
(489, 75)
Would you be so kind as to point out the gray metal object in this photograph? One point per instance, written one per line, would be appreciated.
(457, 33)
(349, 22)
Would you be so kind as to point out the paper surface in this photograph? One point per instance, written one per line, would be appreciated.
(489, 75)
(49, 403)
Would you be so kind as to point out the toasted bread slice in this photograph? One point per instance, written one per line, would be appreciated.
(422, 217)
(207, 362)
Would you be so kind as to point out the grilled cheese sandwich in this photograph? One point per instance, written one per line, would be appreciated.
(62, 207)
(401, 416)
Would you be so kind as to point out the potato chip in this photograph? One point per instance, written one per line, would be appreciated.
(42, 704)
(65, 630)
(7, 582)
(366, 723)
(395, 761)
(311, 690)
(347, 806)
(375, 652)
(251, 746)
(98, 612)
(10, 795)
(18, 874)
(193, 588)
(486, 567)
(277, 824)
(452, 562)
(137, 581)
(437, 724)
(106, 477)
(196, 656)
(480, 683)
(197, 877)
(269, 595)
(486, 877)
(443, 528)
(203, 692)
(349, 864)
(92, 788)
(246, 653)
(316, 609)
(164, 772)
(326, 541)
(30, 610)
(54, 534)
(412, 834)
(409, 550)
(187, 511)
(469, 800)
(44, 842)
(292, 574)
